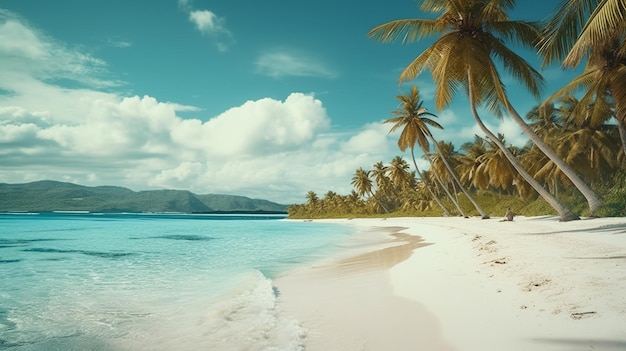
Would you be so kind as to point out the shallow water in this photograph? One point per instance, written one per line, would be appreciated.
(151, 282)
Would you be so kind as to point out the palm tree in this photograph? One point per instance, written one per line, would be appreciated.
(472, 164)
(445, 152)
(587, 142)
(413, 131)
(472, 33)
(331, 201)
(312, 202)
(486, 166)
(501, 175)
(413, 117)
(593, 29)
(363, 185)
(379, 172)
(399, 173)
(362, 182)
(544, 120)
(354, 201)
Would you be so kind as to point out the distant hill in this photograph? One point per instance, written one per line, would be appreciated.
(50, 195)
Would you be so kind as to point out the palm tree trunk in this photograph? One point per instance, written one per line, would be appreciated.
(432, 193)
(593, 199)
(483, 214)
(445, 188)
(622, 133)
(565, 214)
(619, 96)
(379, 202)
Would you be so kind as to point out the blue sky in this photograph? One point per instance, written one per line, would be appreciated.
(266, 99)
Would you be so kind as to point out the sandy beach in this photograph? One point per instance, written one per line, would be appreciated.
(466, 284)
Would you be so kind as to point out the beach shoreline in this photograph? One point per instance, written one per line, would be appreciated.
(469, 284)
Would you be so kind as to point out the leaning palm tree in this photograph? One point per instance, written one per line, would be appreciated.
(415, 122)
(472, 36)
(593, 29)
(411, 133)
(604, 75)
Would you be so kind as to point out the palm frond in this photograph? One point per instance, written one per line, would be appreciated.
(561, 31)
(405, 30)
(607, 17)
(524, 33)
(518, 67)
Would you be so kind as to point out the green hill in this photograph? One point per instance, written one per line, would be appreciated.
(49, 195)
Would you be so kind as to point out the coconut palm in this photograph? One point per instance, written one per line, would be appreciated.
(415, 121)
(411, 133)
(383, 184)
(600, 78)
(472, 169)
(501, 175)
(486, 166)
(472, 35)
(363, 185)
(362, 182)
(312, 201)
(587, 142)
(399, 173)
(593, 29)
(411, 116)
(379, 172)
(354, 201)
(544, 120)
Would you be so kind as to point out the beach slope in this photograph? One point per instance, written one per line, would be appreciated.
(468, 284)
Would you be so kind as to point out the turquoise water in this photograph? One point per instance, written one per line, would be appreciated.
(151, 282)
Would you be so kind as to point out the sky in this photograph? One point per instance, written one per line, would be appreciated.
(266, 99)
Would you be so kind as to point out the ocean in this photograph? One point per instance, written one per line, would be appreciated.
(83, 281)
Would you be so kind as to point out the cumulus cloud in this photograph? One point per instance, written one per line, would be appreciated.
(282, 63)
(265, 148)
(277, 149)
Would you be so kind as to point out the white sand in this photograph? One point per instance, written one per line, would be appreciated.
(531, 284)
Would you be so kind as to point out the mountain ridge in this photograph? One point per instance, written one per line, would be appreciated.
(50, 195)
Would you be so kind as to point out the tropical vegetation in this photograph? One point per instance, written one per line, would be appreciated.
(576, 137)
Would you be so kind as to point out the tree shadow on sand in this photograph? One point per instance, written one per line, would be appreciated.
(591, 344)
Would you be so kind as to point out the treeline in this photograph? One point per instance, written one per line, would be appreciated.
(593, 150)
(577, 137)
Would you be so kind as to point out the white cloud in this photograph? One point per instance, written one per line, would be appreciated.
(506, 126)
(256, 127)
(279, 64)
(120, 43)
(206, 21)
(372, 139)
(24, 49)
(210, 24)
(265, 148)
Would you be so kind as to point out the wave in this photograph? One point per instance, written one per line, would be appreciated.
(251, 319)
